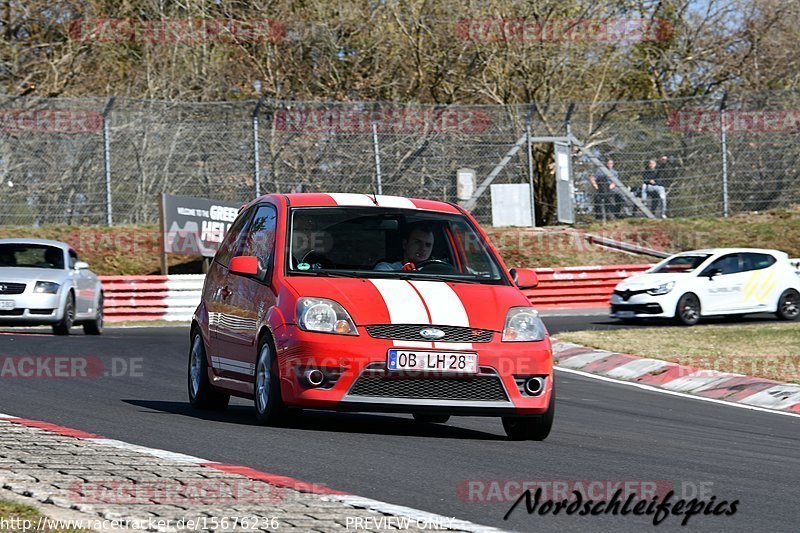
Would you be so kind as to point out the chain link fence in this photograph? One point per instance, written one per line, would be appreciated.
(107, 160)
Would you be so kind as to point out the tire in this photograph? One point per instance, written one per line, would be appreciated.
(425, 418)
(687, 312)
(95, 327)
(531, 427)
(270, 409)
(63, 327)
(789, 305)
(202, 395)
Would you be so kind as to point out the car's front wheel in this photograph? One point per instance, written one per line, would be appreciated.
(789, 305)
(687, 312)
(531, 427)
(95, 327)
(65, 324)
(202, 395)
(270, 408)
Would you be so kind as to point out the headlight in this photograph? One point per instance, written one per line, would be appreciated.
(46, 287)
(664, 288)
(523, 324)
(323, 315)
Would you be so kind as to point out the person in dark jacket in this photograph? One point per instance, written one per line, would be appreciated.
(653, 184)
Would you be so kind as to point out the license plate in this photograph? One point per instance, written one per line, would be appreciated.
(462, 363)
(625, 314)
(7, 305)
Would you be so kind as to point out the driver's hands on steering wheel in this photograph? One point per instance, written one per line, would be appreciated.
(409, 266)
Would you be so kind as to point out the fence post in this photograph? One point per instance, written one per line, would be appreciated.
(724, 142)
(107, 159)
(377, 158)
(256, 155)
(530, 163)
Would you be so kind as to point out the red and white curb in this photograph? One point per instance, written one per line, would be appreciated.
(327, 494)
(734, 389)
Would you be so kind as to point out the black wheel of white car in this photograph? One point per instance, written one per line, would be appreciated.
(531, 427)
(63, 326)
(687, 311)
(270, 408)
(95, 327)
(201, 394)
(789, 305)
(425, 418)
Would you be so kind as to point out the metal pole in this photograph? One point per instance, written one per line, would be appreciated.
(724, 139)
(256, 156)
(107, 159)
(379, 185)
(530, 176)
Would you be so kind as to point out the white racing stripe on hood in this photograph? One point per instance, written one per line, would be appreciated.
(446, 309)
(404, 306)
(346, 198)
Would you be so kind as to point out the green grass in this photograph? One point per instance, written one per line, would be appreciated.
(18, 512)
(770, 350)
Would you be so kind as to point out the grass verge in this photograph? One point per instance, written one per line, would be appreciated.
(769, 350)
(20, 517)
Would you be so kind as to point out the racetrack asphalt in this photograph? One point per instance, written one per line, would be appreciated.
(603, 432)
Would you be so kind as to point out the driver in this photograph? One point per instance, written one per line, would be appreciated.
(417, 247)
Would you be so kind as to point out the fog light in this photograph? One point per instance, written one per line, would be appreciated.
(534, 386)
(314, 377)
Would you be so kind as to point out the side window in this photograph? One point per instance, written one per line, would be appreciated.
(229, 244)
(73, 258)
(727, 264)
(473, 249)
(754, 261)
(259, 239)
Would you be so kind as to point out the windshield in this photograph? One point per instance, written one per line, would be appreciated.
(393, 243)
(31, 255)
(681, 263)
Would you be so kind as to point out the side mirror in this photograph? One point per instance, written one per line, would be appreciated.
(81, 265)
(247, 265)
(714, 272)
(525, 278)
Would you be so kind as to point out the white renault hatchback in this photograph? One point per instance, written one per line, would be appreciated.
(720, 281)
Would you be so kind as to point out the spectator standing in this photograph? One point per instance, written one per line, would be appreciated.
(605, 197)
(653, 183)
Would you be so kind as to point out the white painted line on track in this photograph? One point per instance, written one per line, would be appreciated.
(155, 452)
(409, 512)
(673, 393)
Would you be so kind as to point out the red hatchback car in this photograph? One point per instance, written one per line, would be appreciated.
(369, 303)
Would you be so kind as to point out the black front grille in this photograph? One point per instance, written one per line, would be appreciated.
(41, 311)
(483, 388)
(12, 312)
(627, 293)
(7, 287)
(643, 309)
(410, 332)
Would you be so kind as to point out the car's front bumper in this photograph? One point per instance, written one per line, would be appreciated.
(31, 309)
(363, 384)
(642, 306)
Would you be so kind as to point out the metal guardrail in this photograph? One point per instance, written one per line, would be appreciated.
(172, 298)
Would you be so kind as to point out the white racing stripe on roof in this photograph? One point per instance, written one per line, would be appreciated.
(395, 201)
(346, 198)
(446, 309)
(404, 306)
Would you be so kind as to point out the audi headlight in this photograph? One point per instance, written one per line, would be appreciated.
(325, 316)
(46, 287)
(523, 324)
(664, 288)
